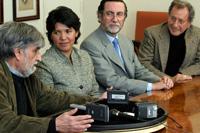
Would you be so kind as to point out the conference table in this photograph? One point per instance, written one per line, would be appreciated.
(182, 104)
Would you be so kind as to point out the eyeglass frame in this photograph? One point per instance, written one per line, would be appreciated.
(180, 21)
(111, 14)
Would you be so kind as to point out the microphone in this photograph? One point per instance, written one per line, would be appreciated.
(117, 113)
(80, 107)
(141, 111)
(98, 112)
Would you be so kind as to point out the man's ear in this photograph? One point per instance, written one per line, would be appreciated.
(189, 25)
(99, 16)
(17, 53)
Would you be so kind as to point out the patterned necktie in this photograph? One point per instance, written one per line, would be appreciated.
(117, 48)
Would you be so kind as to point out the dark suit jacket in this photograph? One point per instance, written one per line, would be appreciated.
(109, 70)
(153, 52)
(41, 98)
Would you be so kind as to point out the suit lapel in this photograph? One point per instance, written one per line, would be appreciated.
(109, 50)
(124, 50)
(164, 46)
(11, 87)
(188, 41)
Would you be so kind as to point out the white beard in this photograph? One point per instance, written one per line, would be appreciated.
(114, 29)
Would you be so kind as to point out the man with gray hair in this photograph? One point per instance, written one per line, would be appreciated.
(25, 102)
(173, 48)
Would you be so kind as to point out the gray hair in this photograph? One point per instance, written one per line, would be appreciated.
(182, 4)
(18, 35)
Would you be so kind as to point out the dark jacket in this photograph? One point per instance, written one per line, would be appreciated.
(43, 100)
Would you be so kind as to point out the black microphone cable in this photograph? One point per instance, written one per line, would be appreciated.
(178, 125)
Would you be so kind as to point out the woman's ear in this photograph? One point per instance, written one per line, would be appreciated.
(77, 32)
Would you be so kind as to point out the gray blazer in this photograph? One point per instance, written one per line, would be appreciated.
(153, 52)
(109, 70)
(78, 78)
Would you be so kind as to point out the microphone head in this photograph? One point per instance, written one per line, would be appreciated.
(114, 112)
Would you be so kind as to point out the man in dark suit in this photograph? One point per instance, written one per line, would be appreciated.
(115, 62)
(173, 48)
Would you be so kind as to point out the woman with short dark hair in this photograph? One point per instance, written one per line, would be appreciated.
(64, 66)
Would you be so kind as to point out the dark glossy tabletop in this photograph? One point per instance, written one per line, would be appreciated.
(182, 103)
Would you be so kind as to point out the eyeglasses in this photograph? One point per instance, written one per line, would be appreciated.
(111, 14)
(179, 21)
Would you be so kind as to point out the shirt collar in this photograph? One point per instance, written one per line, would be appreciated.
(111, 38)
(14, 71)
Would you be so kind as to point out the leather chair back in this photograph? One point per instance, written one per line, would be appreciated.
(145, 19)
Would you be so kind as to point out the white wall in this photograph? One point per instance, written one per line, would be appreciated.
(86, 10)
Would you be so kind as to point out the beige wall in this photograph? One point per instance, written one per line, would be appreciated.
(86, 10)
(90, 19)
